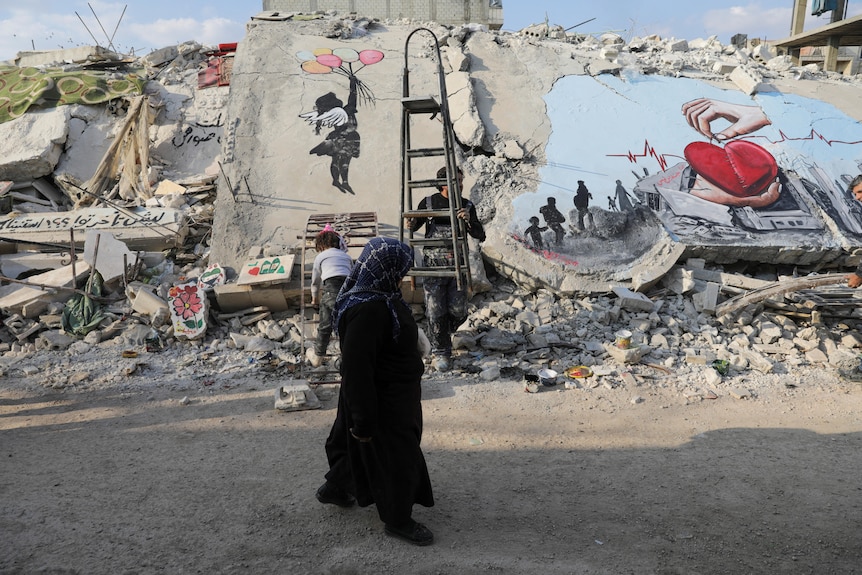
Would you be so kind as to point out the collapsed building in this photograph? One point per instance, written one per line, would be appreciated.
(202, 183)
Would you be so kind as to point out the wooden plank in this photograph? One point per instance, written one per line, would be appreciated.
(778, 288)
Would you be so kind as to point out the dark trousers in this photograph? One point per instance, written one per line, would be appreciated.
(446, 309)
(328, 292)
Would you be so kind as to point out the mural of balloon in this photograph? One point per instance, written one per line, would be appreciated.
(342, 143)
(340, 61)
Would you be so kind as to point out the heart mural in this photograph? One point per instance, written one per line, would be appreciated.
(741, 168)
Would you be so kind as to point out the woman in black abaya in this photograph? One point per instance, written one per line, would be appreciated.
(373, 448)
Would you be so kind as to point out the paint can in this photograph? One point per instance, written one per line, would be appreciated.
(623, 339)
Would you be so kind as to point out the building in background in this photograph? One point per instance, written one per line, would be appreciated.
(446, 12)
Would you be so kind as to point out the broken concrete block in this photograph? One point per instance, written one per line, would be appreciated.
(707, 300)
(296, 397)
(850, 340)
(628, 379)
(53, 341)
(746, 80)
(805, 345)
(138, 228)
(466, 122)
(166, 187)
(611, 39)
(609, 53)
(490, 374)
(143, 299)
(111, 256)
(780, 63)
(762, 53)
(816, 356)
(629, 355)
(724, 68)
(757, 361)
(769, 332)
(16, 297)
(498, 340)
(678, 46)
(711, 377)
(705, 357)
(79, 54)
(39, 136)
(160, 56)
(633, 301)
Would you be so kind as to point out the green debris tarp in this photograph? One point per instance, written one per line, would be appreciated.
(21, 88)
(82, 314)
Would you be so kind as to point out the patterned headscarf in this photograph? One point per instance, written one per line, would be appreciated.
(382, 264)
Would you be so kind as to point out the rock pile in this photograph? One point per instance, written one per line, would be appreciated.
(512, 331)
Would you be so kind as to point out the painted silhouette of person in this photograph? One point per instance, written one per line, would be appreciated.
(534, 232)
(582, 203)
(622, 197)
(342, 143)
(554, 219)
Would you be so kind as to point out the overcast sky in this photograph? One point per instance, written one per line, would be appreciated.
(139, 26)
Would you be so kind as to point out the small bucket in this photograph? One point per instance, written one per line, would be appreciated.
(547, 377)
(623, 339)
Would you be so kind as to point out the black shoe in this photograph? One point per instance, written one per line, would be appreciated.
(330, 494)
(414, 532)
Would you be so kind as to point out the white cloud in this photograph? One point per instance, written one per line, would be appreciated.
(751, 19)
(163, 33)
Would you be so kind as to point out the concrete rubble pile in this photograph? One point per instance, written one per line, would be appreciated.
(677, 339)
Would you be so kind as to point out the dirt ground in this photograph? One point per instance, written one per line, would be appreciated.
(608, 480)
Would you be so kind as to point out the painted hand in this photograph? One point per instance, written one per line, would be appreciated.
(707, 191)
(700, 114)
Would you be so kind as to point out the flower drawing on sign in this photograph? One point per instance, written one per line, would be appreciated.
(186, 301)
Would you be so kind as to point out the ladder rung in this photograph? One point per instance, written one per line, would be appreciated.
(431, 242)
(432, 183)
(420, 104)
(433, 272)
(425, 152)
(426, 214)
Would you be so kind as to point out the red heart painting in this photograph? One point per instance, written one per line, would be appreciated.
(741, 168)
(254, 271)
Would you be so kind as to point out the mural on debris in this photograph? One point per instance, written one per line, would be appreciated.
(188, 306)
(342, 142)
(715, 166)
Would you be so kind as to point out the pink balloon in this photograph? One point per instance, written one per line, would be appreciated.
(330, 60)
(369, 57)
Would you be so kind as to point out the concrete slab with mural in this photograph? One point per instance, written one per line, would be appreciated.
(188, 306)
(587, 170)
(267, 270)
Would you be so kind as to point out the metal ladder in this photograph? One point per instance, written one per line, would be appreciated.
(432, 107)
(357, 228)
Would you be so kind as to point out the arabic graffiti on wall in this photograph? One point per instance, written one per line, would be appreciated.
(86, 219)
